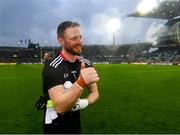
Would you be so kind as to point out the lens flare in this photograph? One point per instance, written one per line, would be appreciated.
(113, 24)
(146, 6)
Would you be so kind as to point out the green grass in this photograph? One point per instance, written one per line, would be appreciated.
(20, 87)
(133, 99)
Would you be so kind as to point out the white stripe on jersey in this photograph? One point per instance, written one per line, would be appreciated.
(56, 61)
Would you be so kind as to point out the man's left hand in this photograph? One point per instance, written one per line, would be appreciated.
(80, 104)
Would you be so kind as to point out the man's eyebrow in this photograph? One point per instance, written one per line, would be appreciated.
(74, 36)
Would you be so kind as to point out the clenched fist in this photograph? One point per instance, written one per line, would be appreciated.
(87, 76)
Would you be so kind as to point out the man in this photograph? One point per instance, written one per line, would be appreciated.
(47, 56)
(64, 80)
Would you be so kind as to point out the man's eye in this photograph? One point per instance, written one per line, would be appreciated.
(74, 38)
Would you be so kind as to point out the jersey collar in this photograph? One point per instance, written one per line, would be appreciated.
(64, 58)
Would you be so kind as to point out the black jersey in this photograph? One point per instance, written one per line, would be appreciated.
(58, 71)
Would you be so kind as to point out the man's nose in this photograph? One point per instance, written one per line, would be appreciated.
(79, 41)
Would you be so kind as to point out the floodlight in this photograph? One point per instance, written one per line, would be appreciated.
(113, 24)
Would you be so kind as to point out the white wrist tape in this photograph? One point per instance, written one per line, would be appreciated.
(80, 104)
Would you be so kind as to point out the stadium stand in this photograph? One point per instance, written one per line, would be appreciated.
(167, 37)
(126, 53)
(96, 53)
(31, 54)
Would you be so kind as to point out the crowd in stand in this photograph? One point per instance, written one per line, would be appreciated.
(166, 55)
(98, 54)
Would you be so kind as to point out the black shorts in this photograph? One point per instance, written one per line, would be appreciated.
(68, 123)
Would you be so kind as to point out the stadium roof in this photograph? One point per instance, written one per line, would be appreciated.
(167, 9)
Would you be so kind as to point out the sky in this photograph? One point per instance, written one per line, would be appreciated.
(38, 20)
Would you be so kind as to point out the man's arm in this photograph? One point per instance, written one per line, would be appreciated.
(91, 98)
(93, 93)
(64, 100)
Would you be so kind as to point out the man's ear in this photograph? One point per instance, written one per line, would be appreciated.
(61, 41)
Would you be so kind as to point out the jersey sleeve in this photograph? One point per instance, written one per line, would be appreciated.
(52, 77)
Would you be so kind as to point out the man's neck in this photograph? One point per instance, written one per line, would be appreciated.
(68, 56)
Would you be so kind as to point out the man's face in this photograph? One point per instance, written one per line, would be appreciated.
(72, 40)
(46, 56)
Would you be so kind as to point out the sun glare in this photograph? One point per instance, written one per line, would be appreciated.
(146, 6)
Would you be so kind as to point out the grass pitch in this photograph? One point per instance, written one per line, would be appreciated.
(133, 99)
